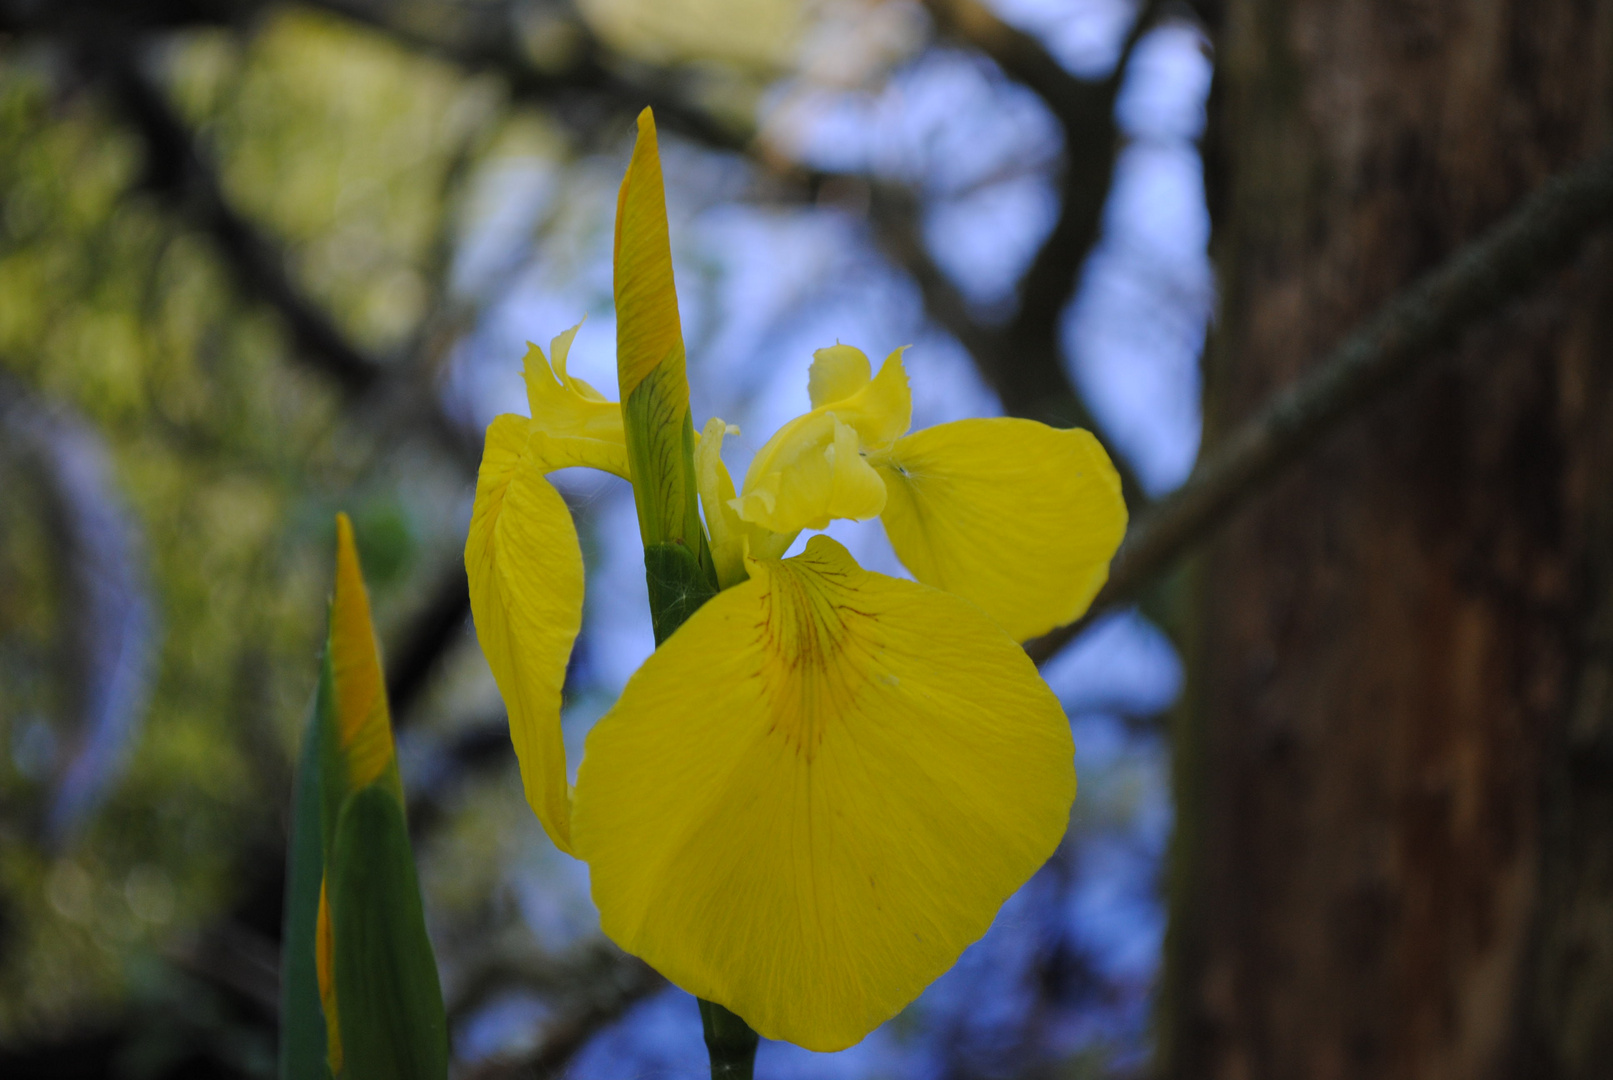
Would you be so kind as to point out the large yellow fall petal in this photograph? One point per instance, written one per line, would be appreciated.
(526, 589)
(817, 792)
(1018, 517)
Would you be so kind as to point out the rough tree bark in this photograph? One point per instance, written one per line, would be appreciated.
(1395, 760)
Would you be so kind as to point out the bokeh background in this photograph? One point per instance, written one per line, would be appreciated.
(264, 261)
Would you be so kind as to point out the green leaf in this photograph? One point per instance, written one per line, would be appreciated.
(302, 1020)
(390, 1001)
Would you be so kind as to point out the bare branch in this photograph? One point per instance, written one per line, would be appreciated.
(178, 173)
(1076, 102)
(1404, 336)
(1023, 361)
(606, 986)
(559, 60)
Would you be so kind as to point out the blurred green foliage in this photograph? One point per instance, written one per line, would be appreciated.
(229, 455)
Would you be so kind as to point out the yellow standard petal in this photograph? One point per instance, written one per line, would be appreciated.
(732, 538)
(837, 373)
(817, 792)
(879, 408)
(526, 589)
(812, 470)
(1018, 517)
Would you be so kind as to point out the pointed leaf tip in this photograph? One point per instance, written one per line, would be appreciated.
(363, 725)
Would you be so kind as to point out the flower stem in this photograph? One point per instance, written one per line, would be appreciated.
(730, 1041)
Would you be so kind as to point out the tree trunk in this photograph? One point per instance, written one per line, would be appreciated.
(1395, 759)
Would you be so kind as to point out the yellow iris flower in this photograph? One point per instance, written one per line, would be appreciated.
(821, 788)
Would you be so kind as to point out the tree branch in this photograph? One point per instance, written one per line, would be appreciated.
(1023, 360)
(1407, 333)
(559, 60)
(607, 989)
(177, 173)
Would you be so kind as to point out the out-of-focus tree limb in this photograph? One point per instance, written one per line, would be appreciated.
(549, 60)
(601, 990)
(895, 215)
(177, 172)
(1023, 360)
(1077, 103)
(1541, 235)
(540, 52)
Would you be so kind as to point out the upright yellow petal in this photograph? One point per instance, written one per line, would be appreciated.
(585, 428)
(808, 474)
(817, 792)
(1018, 517)
(812, 470)
(732, 538)
(837, 373)
(882, 409)
(363, 723)
(879, 408)
(526, 588)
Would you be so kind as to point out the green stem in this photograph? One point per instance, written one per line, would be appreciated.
(678, 586)
(730, 1042)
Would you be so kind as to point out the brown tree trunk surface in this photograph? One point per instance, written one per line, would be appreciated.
(1395, 759)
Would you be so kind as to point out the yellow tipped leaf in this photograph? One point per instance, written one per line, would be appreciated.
(818, 792)
(325, 966)
(1015, 516)
(363, 723)
(526, 590)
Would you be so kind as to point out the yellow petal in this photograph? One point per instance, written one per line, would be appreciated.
(879, 408)
(812, 470)
(648, 331)
(584, 428)
(731, 537)
(363, 723)
(837, 373)
(882, 409)
(559, 348)
(817, 792)
(809, 473)
(526, 588)
(1018, 517)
